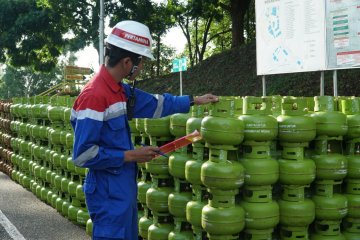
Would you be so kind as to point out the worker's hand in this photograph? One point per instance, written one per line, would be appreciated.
(142, 154)
(204, 99)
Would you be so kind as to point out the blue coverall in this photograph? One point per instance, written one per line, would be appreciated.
(102, 134)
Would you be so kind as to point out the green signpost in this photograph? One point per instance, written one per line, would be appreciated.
(179, 65)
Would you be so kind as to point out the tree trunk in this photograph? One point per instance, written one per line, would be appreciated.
(238, 10)
(158, 55)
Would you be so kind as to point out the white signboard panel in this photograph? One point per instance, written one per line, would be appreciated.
(290, 36)
(343, 33)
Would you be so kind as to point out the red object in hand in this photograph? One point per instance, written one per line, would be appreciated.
(181, 142)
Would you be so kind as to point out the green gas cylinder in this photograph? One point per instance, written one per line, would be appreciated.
(193, 212)
(74, 209)
(330, 166)
(157, 127)
(297, 213)
(80, 171)
(182, 231)
(48, 153)
(157, 196)
(65, 184)
(33, 187)
(144, 224)
(38, 191)
(177, 162)
(58, 179)
(221, 173)
(330, 208)
(36, 152)
(132, 125)
(193, 170)
(35, 131)
(55, 159)
(35, 110)
(178, 124)
(43, 171)
(329, 121)
(89, 227)
(80, 193)
(294, 126)
(260, 168)
(66, 114)
(353, 206)
(160, 229)
(326, 229)
(82, 216)
(49, 198)
(143, 187)
(177, 200)
(158, 167)
(58, 204)
(54, 196)
(56, 109)
(258, 124)
(69, 140)
(43, 193)
(65, 208)
(36, 169)
(140, 125)
(14, 107)
(297, 172)
(222, 127)
(194, 122)
(54, 136)
(63, 138)
(351, 227)
(261, 216)
(48, 175)
(70, 165)
(63, 161)
(354, 165)
(13, 144)
(26, 181)
(350, 236)
(53, 175)
(351, 107)
(223, 221)
(199, 154)
(72, 187)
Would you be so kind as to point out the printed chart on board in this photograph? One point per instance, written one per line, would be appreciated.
(343, 33)
(308, 35)
(290, 36)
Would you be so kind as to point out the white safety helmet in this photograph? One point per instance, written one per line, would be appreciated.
(132, 36)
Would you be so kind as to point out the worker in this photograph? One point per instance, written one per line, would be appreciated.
(102, 135)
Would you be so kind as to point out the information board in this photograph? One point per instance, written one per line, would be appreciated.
(343, 33)
(307, 35)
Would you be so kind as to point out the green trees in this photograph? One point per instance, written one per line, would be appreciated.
(35, 33)
(23, 81)
(30, 35)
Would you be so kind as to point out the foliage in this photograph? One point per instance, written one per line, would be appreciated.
(30, 35)
(19, 82)
(151, 67)
(36, 32)
(195, 18)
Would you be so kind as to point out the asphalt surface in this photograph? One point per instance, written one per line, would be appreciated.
(33, 219)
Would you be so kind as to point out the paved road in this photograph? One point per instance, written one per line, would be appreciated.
(23, 216)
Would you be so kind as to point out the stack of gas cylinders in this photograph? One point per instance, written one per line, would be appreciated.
(265, 168)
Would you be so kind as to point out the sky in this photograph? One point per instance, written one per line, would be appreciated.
(88, 57)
